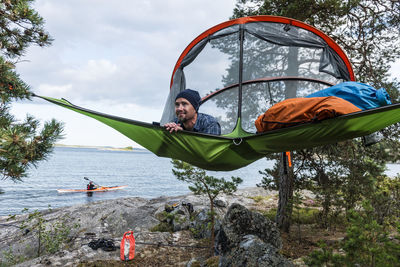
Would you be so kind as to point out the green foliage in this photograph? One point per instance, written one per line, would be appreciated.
(168, 218)
(202, 184)
(372, 230)
(302, 215)
(22, 144)
(339, 176)
(270, 214)
(10, 259)
(314, 12)
(21, 25)
(385, 199)
(270, 179)
(22, 147)
(258, 199)
(11, 86)
(305, 216)
(162, 227)
(324, 256)
(198, 231)
(212, 261)
(51, 235)
(367, 243)
(166, 221)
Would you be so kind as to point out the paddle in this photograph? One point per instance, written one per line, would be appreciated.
(91, 181)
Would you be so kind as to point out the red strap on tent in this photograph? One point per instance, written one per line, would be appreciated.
(127, 247)
(289, 159)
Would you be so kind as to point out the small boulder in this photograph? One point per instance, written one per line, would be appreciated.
(175, 214)
(247, 238)
(200, 224)
(220, 203)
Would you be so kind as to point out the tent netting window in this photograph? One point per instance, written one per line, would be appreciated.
(242, 70)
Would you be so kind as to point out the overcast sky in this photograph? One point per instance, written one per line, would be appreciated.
(114, 57)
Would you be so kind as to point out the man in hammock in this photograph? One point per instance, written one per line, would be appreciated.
(188, 118)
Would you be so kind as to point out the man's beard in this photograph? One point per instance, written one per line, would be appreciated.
(182, 120)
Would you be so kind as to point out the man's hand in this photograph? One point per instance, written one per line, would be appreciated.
(172, 127)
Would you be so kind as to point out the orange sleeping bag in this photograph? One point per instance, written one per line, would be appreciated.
(296, 111)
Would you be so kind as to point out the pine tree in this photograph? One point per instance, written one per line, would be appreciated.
(369, 33)
(22, 144)
(202, 184)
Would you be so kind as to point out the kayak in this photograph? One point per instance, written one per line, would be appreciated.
(99, 189)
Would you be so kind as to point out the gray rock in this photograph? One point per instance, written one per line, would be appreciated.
(220, 203)
(247, 238)
(109, 219)
(180, 222)
(240, 221)
(199, 224)
(181, 218)
(176, 214)
(104, 219)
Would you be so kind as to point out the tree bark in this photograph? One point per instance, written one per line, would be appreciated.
(285, 207)
(212, 227)
(285, 204)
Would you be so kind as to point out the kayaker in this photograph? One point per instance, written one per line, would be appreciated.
(91, 186)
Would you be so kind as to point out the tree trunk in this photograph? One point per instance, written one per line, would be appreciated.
(212, 228)
(285, 207)
(285, 204)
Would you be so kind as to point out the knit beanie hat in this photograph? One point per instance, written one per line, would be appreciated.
(192, 96)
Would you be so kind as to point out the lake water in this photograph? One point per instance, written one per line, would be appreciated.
(145, 174)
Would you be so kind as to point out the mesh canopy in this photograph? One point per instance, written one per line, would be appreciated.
(242, 69)
(204, 75)
(257, 97)
(298, 52)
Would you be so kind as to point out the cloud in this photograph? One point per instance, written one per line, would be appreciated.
(57, 90)
(123, 50)
(93, 71)
(116, 57)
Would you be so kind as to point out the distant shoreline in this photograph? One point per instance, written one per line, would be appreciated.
(134, 149)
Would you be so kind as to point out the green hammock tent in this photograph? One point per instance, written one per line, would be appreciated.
(241, 68)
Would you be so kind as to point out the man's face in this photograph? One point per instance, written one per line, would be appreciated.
(184, 110)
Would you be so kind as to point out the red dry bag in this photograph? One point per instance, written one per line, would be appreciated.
(127, 247)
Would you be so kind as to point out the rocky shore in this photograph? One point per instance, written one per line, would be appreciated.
(244, 237)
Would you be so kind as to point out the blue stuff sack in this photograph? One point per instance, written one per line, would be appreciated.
(361, 95)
